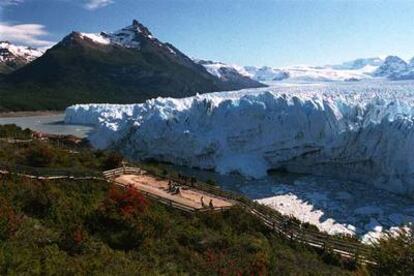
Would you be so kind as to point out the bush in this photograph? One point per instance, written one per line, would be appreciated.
(126, 202)
(8, 219)
(13, 131)
(394, 253)
(114, 160)
(40, 155)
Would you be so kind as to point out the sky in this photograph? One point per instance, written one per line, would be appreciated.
(246, 32)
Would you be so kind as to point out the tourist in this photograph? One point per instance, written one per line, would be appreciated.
(211, 204)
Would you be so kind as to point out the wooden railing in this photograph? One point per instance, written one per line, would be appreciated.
(286, 226)
(16, 141)
(112, 174)
(282, 225)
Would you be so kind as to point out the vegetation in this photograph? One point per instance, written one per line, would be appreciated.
(90, 227)
(73, 227)
(53, 156)
(394, 254)
(12, 131)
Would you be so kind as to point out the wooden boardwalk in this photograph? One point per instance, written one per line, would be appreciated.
(279, 224)
(282, 225)
(185, 195)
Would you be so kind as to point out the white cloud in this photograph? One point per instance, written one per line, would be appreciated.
(26, 34)
(87, 4)
(10, 2)
(96, 4)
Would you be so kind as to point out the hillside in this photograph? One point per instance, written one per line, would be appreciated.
(231, 74)
(126, 66)
(50, 227)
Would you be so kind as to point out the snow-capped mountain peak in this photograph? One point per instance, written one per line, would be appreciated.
(215, 67)
(229, 72)
(391, 67)
(13, 57)
(11, 52)
(140, 28)
(359, 63)
(129, 37)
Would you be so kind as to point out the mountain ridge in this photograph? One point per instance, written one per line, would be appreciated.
(127, 66)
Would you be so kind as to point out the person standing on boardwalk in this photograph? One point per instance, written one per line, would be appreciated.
(202, 202)
(211, 204)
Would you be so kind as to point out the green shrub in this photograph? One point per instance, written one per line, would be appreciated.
(40, 155)
(394, 253)
(112, 161)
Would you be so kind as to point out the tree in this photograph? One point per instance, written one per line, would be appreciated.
(40, 156)
(114, 160)
(394, 253)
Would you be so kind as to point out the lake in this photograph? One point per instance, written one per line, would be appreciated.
(52, 123)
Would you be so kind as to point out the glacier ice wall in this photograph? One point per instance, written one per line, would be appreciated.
(360, 132)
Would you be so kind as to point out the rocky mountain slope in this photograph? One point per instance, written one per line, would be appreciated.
(13, 57)
(232, 74)
(358, 63)
(129, 65)
(395, 68)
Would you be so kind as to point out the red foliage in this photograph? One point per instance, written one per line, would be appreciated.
(78, 236)
(9, 220)
(128, 201)
(222, 263)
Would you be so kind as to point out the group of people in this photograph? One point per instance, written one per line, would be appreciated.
(174, 188)
(210, 204)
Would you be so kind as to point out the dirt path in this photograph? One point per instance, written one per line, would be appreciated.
(159, 187)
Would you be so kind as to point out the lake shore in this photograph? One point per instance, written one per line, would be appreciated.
(15, 114)
(45, 122)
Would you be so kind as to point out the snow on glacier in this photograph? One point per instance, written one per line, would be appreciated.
(358, 131)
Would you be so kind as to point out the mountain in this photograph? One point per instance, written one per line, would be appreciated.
(13, 57)
(392, 67)
(305, 73)
(232, 74)
(129, 65)
(266, 73)
(359, 63)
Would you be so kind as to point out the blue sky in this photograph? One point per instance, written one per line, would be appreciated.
(255, 32)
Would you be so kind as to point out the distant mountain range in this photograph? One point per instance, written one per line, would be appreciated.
(392, 68)
(348, 71)
(129, 65)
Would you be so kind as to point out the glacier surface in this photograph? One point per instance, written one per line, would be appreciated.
(358, 131)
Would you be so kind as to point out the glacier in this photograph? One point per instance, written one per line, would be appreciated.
(362, 131)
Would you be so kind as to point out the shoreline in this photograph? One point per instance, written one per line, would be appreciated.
(16, 114)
